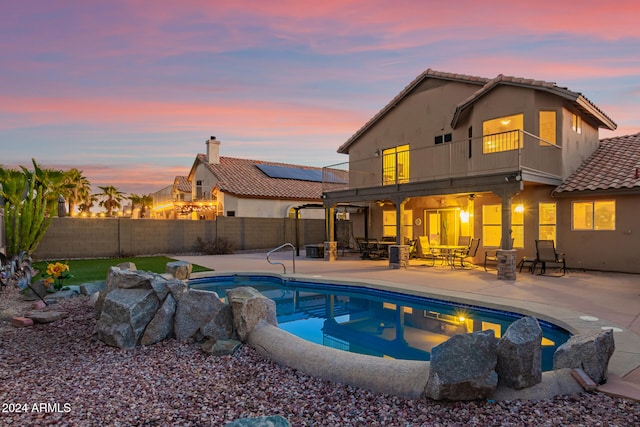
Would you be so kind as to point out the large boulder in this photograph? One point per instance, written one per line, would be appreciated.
(128, 279)
(520, 354)
(161, 326)
(250, 308)
(125, 315)
(177, 288)
(463, 368)
(181, 270)
(220, 325)
(195, 309)
(590, 352)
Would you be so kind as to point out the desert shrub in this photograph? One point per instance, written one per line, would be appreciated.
(216, 247)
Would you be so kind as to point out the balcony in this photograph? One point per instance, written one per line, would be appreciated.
(507, 152)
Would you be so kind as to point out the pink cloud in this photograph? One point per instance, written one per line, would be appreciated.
(256, 117)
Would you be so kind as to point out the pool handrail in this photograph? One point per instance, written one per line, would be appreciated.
(293, 256)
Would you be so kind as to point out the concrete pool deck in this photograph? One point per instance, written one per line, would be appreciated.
(579, 301)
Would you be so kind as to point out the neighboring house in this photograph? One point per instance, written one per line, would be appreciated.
(227, 186)
(456, 155)
(168, 203)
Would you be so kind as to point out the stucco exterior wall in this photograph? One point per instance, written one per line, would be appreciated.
(69, 238)
(614, 250)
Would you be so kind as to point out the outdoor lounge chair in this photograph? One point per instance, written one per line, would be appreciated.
(546, 254)
(470, 252)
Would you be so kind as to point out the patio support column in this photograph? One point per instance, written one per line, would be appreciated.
(399, 253)
(506, 254)
(330, 245)
(505, 243)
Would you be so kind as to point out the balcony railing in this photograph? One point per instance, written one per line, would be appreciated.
(488, 154)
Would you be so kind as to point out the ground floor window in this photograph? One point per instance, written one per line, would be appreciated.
(593, 215)
(547, 221)
(388, 223)
(492, 225)
(517, 226)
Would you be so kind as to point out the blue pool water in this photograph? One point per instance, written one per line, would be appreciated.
(372, 321)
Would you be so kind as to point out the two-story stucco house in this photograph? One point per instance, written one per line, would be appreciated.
(228, 186)
(456, 155)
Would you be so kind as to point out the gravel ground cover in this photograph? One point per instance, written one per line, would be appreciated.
(58, 374)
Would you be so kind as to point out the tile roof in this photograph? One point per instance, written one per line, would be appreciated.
(615, 165)
(182, 183)
(242, 178)
(580, 101)
(429, 73)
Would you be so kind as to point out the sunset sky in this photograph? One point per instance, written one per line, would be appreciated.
(129, 91)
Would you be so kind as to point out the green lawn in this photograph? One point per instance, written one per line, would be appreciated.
(91, 270)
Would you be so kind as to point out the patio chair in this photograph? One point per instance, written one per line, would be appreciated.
(470, 252)
(546, 254)
(492, 255)
(425, 252)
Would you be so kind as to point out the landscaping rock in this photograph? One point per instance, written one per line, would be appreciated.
(92, 287)
(37, 290)
(250, 308)
(181, 270)
(38, 305)
(47, 316)
(220, 325)
(220, 347)
(520, 354)
(73, 291)
(161, 286)
(21, 322)
(127, 266)
(590, 352)
(127, 279)
(463, 367)
(195, 309)
(268, 421)
(125, 315)
(161, 326)
(177, 288)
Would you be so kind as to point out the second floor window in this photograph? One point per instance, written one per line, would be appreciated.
(547, 128)
(576, 123)
(199, 189)
(395, 165)
(502, 134)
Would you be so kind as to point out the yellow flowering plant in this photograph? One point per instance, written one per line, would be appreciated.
(56, 274)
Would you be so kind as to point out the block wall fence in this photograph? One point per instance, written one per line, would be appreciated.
(76, 238)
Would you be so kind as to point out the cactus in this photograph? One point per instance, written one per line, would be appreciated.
(30, 200)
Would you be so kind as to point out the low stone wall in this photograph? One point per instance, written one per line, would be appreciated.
(72, 238)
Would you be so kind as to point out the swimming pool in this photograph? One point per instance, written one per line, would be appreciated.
(371, 321)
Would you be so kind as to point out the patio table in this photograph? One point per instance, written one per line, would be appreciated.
(448, 251)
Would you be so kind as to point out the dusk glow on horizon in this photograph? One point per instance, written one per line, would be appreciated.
(129, 91)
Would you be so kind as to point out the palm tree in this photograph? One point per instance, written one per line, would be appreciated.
(112, 200)
(76, 184)
(135, 199)
(88, 200)
(147, 202)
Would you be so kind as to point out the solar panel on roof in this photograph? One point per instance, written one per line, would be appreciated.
(300, 174)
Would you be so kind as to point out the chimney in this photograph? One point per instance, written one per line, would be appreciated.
(213, 151)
